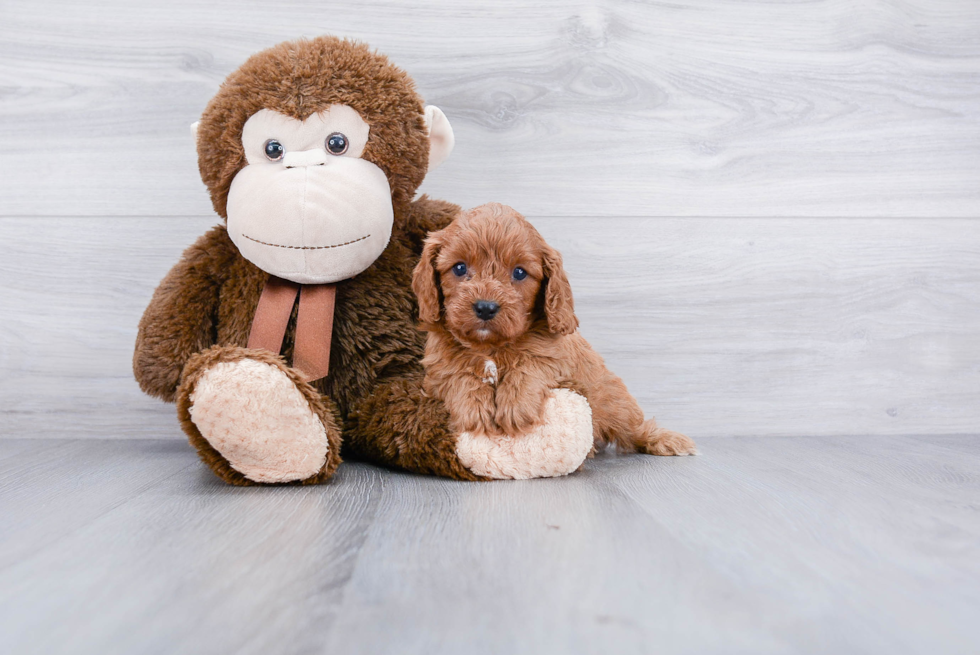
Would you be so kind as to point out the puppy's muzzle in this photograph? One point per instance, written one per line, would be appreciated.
(485, 309)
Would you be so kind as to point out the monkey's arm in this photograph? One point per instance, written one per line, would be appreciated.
(399, 425)
(180, 319)
(427, 215)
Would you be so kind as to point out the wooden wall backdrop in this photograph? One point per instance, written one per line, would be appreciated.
(768, 210)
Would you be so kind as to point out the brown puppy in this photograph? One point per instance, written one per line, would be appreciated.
(502, 334)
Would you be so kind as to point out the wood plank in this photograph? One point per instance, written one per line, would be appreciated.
(719, 327)
(537, 567)
(173, 562)
(879, 533)
(38, 515)
(803, 544)
(615, 108)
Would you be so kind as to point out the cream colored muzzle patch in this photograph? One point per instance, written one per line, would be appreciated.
(311, 224)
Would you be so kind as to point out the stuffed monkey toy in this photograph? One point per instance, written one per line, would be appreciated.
(289, 332)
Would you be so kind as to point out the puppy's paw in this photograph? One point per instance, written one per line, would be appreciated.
(661, 441)
(475, 418)
(518, 413)
(473, 413)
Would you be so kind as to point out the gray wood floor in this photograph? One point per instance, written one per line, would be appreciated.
(791, 545)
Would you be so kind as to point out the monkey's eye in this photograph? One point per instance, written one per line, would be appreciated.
(519, 273)
(459, 269)
(337, 144)
(274, 150)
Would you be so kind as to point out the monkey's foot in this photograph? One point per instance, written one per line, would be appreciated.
(557, 447)
(245, 410)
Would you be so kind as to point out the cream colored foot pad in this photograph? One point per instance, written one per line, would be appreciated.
(557, 447)
(258, 420)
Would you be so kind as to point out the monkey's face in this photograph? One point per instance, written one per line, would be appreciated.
(313, 151)
(307, 207)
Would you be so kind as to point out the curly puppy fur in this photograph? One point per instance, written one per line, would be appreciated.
(494, 373)
(373, 394)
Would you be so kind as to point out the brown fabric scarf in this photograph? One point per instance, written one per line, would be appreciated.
(314, 323)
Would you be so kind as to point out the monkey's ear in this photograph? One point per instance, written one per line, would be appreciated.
(425, 282)
(441, 139)
(559, 308)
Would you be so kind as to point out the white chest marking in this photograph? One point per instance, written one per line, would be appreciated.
(490, 372)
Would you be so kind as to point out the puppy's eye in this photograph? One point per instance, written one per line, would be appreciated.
(519, 273)
(274, 150)
(459, 269)
(336, 144)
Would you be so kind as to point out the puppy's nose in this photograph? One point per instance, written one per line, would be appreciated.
(485, 309)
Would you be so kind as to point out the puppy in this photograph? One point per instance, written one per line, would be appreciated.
(501, 326)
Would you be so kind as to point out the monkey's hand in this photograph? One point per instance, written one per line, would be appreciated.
(179, 321)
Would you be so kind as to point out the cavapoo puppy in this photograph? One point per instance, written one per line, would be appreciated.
(502, 334)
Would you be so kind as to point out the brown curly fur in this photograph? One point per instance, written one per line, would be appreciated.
(532, 338)
(373, 392)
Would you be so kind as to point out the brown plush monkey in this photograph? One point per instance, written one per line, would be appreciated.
(312, 152)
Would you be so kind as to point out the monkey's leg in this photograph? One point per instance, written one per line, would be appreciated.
(398, 425)
(253, 420)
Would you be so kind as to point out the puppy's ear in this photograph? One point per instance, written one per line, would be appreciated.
(559, 308)
(425, 280)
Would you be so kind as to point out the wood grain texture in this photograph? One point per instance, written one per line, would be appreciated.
(719, 327)
(687, 108)
(801, 545)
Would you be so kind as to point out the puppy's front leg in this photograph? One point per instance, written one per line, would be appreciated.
(470, 403)
(520, 398)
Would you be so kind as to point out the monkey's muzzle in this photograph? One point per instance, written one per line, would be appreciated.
(313, 219)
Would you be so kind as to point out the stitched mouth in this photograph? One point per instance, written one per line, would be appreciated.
(279, 245)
